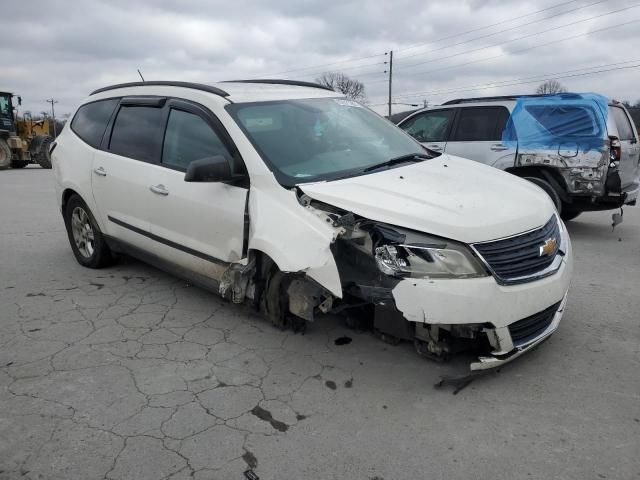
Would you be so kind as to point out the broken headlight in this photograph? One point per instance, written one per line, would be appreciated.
(438, 259)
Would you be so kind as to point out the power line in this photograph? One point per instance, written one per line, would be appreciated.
(342, 69)
(504, 30)
(375, 72)
(361, 74)
(430, 72)
(485, 27)
(421, 44)
(326, 64)
(534, 81)
(534, 34)
(498, 83)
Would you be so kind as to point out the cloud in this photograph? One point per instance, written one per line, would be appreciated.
(69, 48)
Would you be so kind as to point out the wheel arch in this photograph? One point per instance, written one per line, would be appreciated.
(549, 174)
(68, 192)
(66, 195)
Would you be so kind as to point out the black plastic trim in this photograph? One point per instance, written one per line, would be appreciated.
(107, 127)
(162, 83)
(457, 101)
(169, 243)
(283, 82)
(217, 127)
(151, 101)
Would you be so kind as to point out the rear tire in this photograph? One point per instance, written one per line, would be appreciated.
(87, 241)
(548, 188)
(42, 156)
(5, 155)
(19, 163)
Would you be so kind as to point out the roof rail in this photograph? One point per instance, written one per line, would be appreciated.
(283, 82)
(195, 86)
(507, 97)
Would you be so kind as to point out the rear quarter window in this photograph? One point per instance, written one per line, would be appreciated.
(566, 120)
(91, 119)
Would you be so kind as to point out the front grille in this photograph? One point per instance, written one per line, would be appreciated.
(531, 327)
(519, 256)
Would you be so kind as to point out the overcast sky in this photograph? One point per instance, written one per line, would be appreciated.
(442, 48)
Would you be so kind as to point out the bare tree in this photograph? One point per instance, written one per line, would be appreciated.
(551, 86)
(351, 87)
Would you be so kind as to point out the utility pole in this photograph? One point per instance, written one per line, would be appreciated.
(390, 78)
(53, 115)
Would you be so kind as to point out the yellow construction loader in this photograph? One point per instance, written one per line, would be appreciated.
(22, 140)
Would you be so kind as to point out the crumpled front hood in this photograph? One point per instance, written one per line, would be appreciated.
(447, 196)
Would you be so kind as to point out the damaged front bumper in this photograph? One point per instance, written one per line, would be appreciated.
(497, 360)
(514, 318)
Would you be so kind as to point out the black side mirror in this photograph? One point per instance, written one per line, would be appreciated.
(209, 169)
(19, 100)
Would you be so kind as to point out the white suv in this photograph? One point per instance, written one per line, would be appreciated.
(582, 149)
(292, 196)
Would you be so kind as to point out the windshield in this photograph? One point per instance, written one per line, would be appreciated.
(321, 138)
(4, 106)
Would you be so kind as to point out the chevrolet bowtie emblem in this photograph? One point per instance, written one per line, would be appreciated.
(549, 247)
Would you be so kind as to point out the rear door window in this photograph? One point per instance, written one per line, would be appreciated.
(189, 137)
(137, 133)
(480, 124)
(91, 119)
(432, 126)
(625, 131)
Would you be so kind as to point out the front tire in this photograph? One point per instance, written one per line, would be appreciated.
(5, 155)
(86, 239)
(548, 188)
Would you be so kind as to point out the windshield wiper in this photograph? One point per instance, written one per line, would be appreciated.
(412, 157)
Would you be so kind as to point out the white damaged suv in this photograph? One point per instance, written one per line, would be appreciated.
(293, 197)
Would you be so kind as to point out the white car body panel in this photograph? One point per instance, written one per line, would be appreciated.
(71, 163)
(296, 239)
(492, 153)
(177, 217)
(447, 196)
(122, 194)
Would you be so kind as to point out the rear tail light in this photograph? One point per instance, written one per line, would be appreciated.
(615, 150)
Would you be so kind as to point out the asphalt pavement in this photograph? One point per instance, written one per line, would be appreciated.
(130, 373)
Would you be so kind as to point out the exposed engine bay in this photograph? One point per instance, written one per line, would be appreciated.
(372, 258)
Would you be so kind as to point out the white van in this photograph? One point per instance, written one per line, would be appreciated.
(293, 197)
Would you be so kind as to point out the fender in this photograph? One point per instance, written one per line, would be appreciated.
(296, 239)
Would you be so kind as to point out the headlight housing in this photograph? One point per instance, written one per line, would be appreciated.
(428, 257)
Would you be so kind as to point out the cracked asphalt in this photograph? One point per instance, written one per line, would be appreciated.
(130, 373)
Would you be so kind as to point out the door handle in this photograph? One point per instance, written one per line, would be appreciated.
(435, 148)
(498, 147)
(159, 189)
(100, 171)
